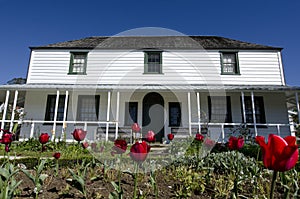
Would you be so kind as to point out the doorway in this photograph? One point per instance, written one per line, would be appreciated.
(153, 115)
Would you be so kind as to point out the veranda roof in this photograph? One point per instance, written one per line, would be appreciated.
(157, 87)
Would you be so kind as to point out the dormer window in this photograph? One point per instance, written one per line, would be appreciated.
(229, 63)
(78, 63)
(153, 62)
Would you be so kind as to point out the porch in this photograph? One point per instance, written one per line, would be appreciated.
(111, 124)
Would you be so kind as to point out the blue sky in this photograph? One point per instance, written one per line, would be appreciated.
(39, 22)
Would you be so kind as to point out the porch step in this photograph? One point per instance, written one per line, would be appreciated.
(158, 149)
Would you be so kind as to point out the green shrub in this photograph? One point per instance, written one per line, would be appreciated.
(252, 150)
(220, 147)
(193, 148)
(226, 162)
(30, 145)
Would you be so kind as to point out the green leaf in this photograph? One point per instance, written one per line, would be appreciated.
(1, 184)
(113, 195)
(85, 169)
(13, 173)
(79, 180)
(71, 171)
(13, 187)
(115, 185)
(4, 173)
(41, 166)
(29, 175)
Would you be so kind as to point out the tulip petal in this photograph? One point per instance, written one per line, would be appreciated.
(276, 144)
(261, 141)
(240, 143)
(289, 157)
(266, 154)
(289, 151)
(292, 161)
(291, 140)
(235, 143)
(285, 163)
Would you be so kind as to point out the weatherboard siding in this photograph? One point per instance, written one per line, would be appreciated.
(179, 67)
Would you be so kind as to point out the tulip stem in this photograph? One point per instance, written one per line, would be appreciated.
(119, 172)
(135, 179)
(6, 156)
(198, 151)
(273, 184)
(237, 173)
(56, 168)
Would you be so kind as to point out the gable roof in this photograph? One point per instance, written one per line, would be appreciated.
(157, 42)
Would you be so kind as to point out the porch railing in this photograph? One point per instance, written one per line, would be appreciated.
(65, 123)
(115, 125)
(222, 125)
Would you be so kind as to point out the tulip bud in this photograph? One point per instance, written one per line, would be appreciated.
(150, 137)
(44, 138)
(79, 134)
(170, 136)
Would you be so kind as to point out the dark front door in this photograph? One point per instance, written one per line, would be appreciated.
(153, 115)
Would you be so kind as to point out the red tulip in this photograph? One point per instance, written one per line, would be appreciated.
(150, 137)
(199, 137)
(6, 138)
(135, 127)
(120, 146)
(56, 155)
(279, 154)
(44, 138)
(79, 134)
(85, 145)
(235, 143)
(170, 136)
(139, 151)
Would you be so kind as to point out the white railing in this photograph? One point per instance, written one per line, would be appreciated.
(116, 125)
(222, 125)
(64, 123)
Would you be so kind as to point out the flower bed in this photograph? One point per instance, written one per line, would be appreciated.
(61, 170)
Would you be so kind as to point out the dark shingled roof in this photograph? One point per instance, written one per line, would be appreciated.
(157, 42)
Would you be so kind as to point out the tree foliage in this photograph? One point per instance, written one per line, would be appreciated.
(18, 80)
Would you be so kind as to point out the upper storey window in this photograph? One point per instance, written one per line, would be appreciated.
(153, 62)
(229, 63)
(78, 63)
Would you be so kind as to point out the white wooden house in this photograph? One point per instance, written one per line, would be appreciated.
(166, 84)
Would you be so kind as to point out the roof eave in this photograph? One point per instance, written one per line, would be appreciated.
(91, 48)
(267, 88)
